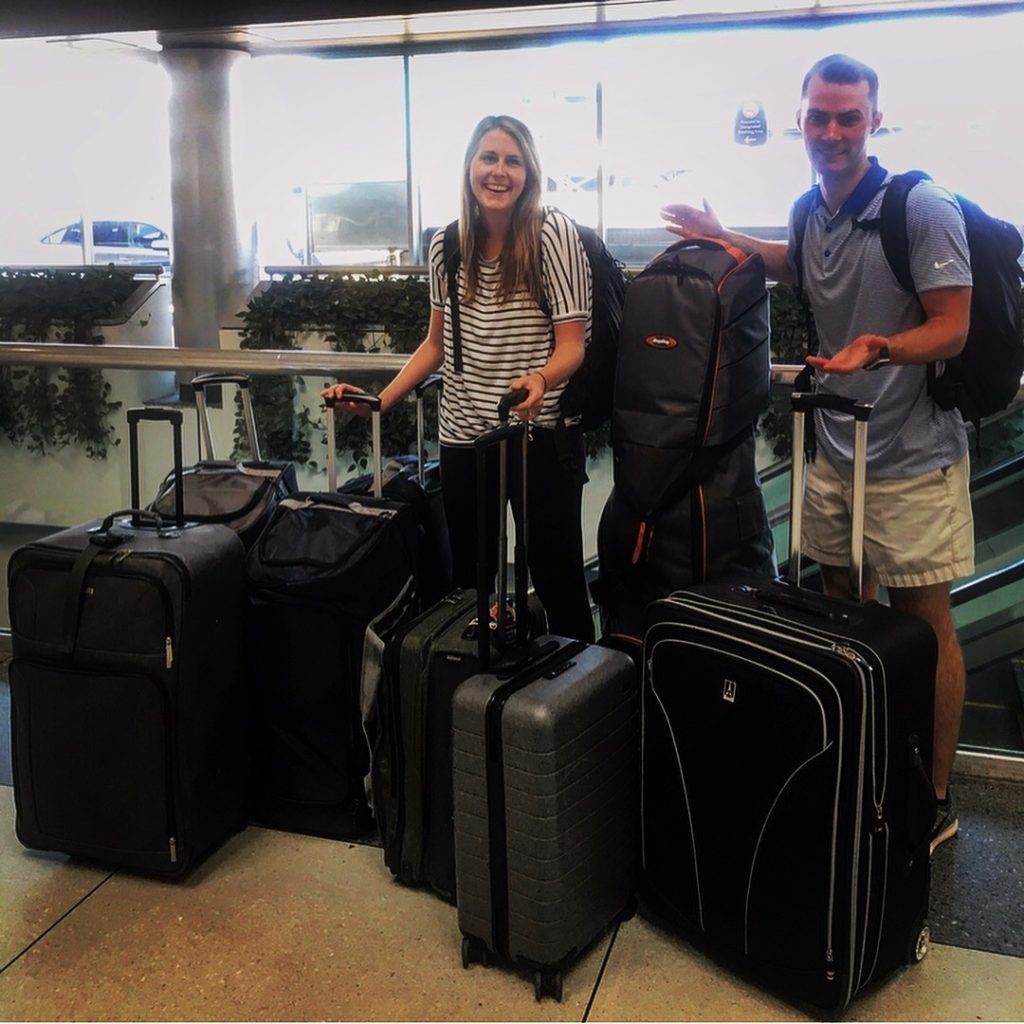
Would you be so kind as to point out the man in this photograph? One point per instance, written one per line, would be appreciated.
(919, 533)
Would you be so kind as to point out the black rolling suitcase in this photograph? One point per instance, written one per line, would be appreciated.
(786, 762)
(408, 712)
(126, 686)
(416, 480)
(241, 495)
(545, 762)
(326, 565)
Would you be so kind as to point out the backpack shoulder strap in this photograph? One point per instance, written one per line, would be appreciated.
(801, 211)
(893, 225)
(452, 259)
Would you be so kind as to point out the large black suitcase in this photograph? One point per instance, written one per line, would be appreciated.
(786, 761)
(408, 707)
(126, 686)
(326, 565)
(545, 762)
(241, 495)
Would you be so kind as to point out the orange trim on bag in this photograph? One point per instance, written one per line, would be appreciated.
(737, 254)
(638, 549)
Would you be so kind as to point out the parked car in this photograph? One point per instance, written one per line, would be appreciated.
(113, 241)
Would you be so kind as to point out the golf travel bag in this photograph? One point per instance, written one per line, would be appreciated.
(786, 763)
(692, 377)
(126, 685)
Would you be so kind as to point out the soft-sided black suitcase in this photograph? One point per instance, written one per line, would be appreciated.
(416, 480)
(326, 565)
(126, 686)
(241, 495)
(545, 763)
(408, 708)
(786, 760)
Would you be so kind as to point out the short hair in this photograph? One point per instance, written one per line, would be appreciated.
(838, 68)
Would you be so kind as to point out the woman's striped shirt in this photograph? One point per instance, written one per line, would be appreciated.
(505, 340)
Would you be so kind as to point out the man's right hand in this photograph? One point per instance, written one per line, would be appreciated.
(689, 222)
(337, 392)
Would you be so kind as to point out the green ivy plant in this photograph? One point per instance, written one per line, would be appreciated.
(357, 313)
(42, 409)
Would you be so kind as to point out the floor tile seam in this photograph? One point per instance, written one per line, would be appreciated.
(600, 973)
(46, 931)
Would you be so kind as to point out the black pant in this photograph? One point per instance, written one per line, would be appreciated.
(555, 529)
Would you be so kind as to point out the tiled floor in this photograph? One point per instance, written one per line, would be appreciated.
(283, 927)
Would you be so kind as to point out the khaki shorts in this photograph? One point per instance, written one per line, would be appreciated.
(917, 531)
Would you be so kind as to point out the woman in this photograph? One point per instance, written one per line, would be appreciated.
(524, 313)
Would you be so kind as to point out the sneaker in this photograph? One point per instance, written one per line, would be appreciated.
(946, 823)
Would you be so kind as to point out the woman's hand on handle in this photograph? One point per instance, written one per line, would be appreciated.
(535, 386)
(337, 392)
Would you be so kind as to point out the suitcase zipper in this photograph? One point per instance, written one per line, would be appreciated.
(168, 652)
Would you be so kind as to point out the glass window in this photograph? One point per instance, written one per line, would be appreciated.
(322, 158)
(552, 90)
(108, 110)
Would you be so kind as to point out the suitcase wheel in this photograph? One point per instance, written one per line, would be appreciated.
(919, 945)
(629, 910)
(547, 983)
(473, 952)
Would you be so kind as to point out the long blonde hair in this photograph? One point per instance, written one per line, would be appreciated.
(520, 258)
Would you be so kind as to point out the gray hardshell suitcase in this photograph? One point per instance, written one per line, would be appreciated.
(545, 775)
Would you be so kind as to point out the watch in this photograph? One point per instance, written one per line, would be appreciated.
(881, 359)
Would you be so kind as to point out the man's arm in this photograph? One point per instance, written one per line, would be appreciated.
(941, 336)
(689, 222)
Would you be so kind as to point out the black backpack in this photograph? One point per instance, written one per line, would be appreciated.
(588, 394)
(985, 377)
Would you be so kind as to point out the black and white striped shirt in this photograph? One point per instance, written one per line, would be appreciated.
(505, 340)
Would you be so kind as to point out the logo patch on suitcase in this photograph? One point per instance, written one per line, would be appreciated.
(729, 691)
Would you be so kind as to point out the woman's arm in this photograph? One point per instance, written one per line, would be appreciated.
(427, 358)
(564, 361)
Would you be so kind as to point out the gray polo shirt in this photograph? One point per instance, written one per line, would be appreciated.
(852, 291)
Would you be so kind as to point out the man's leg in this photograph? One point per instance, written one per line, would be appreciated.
(931, 603)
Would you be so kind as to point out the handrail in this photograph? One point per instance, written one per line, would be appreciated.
(251, 361)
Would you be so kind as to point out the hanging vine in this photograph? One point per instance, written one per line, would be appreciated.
(42, 409)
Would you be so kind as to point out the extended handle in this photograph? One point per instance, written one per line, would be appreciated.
(509, 399)
(500, 436)
(242, 382)
(363, 398)
(803, 403)
(157, 414)
(435, 382)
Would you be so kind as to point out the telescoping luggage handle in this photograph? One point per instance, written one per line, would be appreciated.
(160, 414)
(500, 436)
(199, 385)
(434, 381)
(373, 401)
(804, 402)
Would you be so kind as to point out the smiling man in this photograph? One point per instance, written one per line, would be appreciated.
(919, 532)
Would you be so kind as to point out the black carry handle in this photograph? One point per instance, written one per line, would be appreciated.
(361, 398)
(157, 414)
(434, 381)
(509, 399)
(199, 384)
(804, 402)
